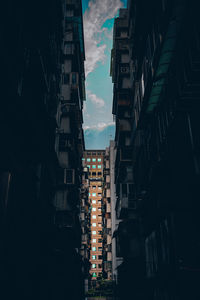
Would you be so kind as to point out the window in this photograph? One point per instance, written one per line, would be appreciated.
(93, 153)
(99, 187)
(94, 173)
(99, 266)
(99, 224)
(94, 201)
(94, 224)
(88, 153)
(69, 13)
(88, 166)
(93, 166)
(94, 209)
(94, 266)
(65, 78)
(99, 240)
(94, 217)
(94, 274)
(99, 256)
(68, 48)
(94, 187)
(89, 194)
(99, 166)
(99, 248)
(94, 159)
(94, 248)
(99, 173)
(100, 232)
(99, 159)
(94, 240)
(93, 256)
(93, 194)
(88, 159)
(68, 36)
(99, 194)
(99, 209)
(83, 159)
(99, 201)
(98, 153)
(94, 232)
(74, 78)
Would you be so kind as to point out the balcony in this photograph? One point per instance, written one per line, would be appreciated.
(66, 177)
(124, 206)
(65, 142)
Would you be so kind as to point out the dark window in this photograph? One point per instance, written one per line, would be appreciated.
(99, 173)
(99, 240)
(124, 190)
(65, 78)
(94, 173)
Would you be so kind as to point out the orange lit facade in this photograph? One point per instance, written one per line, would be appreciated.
(94, 160)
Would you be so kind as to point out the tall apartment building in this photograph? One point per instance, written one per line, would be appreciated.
(94, 160)
(85, 217)
(106, 211)
(116, 257)
(156, 75)
(42, 84)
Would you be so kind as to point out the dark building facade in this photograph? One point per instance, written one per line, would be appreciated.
(42, 92)
(156, 75)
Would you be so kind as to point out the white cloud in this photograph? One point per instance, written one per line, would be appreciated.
(98, 12)
(99, 102)
(99, 126)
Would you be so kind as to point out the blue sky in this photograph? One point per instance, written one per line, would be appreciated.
(98, 18)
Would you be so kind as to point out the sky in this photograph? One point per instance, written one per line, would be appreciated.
(98, 19)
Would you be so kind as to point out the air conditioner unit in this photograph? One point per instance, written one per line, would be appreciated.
(124, 70)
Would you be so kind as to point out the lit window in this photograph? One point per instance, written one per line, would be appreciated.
(93, 166)
(94, 201)
(94, 266)
(94, 248)
(88, 166)
(88, 159)
(99, 159)
(94, 217)
(94, 224)
(89, 194)
(94, 240)
(94, 274)
(94, 194)
(99, 187)
(83, 159)
(99, 224)
(94, 159)
(99, 166)
(99, 194)
(94, 232)
(93, 256)
(94, 209)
